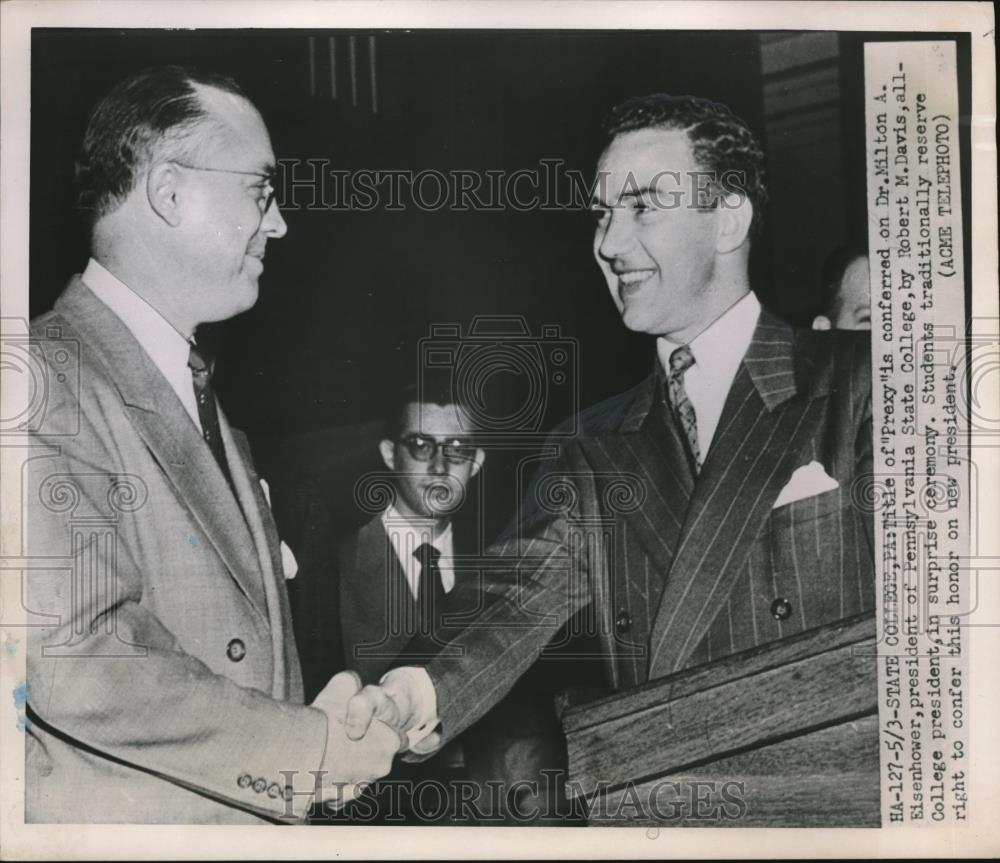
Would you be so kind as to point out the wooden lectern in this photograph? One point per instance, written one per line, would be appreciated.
(784, 735)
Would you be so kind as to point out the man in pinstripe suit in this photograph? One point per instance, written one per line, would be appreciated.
(726, 476)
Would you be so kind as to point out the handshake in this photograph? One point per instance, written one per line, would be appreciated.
(367, 727)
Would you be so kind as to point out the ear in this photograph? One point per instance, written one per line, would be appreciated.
(477, 462)
(822, 322)
(735, 215)
(163, 192)
(388, 451)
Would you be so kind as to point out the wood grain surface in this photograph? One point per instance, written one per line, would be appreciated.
(795, 723)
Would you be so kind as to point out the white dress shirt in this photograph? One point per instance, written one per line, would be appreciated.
(718, 351)
(407, 536)
(164, 345)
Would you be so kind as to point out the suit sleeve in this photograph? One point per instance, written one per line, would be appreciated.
(530, 591)
(105, 673)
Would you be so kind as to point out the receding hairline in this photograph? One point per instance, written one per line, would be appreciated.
(207, 94)
(219, 110)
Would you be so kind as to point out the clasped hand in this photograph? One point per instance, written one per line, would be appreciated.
(366, 728)
(400, 702)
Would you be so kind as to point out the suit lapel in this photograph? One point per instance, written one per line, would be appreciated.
(647, 451)
(255, 509)
(767, 416)
(376, 603)
(172, 438)
(271, 552)
(240, 459)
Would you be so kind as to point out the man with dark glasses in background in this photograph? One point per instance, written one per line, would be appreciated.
(398, 574)
(397, 571)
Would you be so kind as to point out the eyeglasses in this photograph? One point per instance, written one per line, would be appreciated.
(267, 192)
(424, 448)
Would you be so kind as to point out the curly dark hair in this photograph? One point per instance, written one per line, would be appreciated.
(722, 143)
(152, 108)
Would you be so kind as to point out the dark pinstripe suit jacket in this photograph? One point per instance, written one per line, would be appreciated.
(674, 571)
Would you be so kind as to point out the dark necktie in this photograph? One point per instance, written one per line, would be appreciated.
(208, 413)
(430, 591)
(680, 361)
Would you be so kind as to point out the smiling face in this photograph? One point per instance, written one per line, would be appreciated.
(658, 251)
(223, 234)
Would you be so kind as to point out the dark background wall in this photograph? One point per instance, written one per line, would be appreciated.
(347, 295)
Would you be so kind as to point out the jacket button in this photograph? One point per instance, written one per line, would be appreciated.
(259, 785)
(624, 621)
(245, 780)
(236, 650)
(274, 790)
(781, 609)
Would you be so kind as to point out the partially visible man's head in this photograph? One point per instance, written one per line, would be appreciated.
(846, 291)
(678, 197)
(429, 446)
(175, 177)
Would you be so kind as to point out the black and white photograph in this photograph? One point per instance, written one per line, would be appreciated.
(436, 415)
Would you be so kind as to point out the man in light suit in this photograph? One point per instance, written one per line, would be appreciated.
(729, 473)
(163, 681)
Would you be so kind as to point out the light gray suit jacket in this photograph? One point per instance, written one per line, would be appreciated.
(163, 680)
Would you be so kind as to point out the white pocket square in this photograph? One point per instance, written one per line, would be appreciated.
(807, 481)
(288, 562)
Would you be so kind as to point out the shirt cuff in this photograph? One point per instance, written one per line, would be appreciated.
(415, 683)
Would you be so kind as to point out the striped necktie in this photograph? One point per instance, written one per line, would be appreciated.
(680, 361)
(208, 413)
